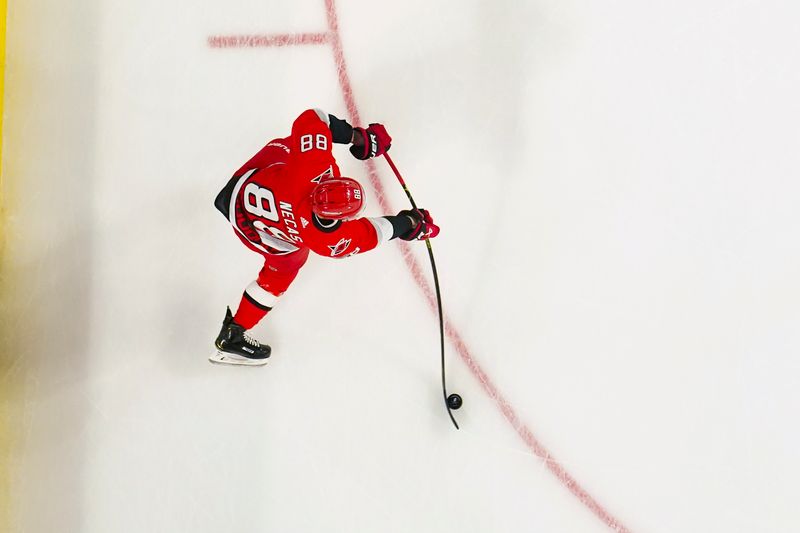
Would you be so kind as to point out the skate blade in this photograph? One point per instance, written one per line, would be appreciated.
(219, 358)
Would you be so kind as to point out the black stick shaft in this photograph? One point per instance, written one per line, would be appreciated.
(435, 284)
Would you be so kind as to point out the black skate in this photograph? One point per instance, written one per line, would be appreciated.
(235, 347)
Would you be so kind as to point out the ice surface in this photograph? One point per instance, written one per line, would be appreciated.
(617, 188)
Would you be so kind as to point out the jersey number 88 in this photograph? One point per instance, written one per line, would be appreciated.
(307, 142)
(260, 202)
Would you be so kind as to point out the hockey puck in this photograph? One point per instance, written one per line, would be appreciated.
(454, 402)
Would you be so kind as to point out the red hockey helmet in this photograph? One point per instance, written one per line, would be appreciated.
(337, 198)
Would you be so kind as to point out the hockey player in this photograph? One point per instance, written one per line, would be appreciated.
(290, 199)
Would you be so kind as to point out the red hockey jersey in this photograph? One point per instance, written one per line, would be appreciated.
(268, 201)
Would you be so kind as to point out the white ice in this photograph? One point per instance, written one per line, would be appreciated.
(617, 186)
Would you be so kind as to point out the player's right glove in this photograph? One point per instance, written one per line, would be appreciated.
(423, 228)
(373, 141)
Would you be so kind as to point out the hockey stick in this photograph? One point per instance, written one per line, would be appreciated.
(447, 399)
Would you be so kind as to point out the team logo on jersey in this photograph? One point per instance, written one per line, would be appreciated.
(354, 252)
(327, 174)
(303, 221)
(339, 247)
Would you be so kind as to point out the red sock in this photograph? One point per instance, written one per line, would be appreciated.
(249, 312)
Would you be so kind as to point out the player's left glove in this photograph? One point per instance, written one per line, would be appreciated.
(424, 226)
(374, 141)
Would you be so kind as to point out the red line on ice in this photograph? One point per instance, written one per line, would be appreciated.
(263, 41)
(534, 445)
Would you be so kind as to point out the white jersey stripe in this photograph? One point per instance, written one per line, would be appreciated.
(383, 228)
(323, 116)
(262, 296)
(276, 243)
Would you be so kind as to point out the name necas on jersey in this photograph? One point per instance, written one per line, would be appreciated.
(270, 197)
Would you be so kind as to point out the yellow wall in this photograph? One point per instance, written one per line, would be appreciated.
(5, 405)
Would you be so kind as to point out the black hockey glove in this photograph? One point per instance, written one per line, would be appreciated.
(370, 142)
(423, 225)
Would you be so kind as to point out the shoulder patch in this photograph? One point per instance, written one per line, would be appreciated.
(327, 174)
(340, 247)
